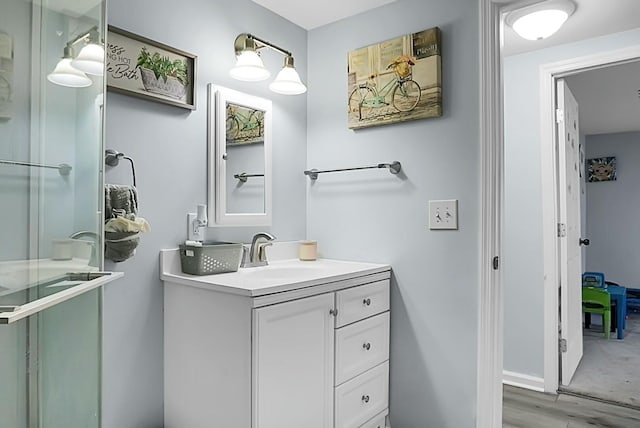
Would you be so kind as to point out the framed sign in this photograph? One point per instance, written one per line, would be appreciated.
(148, 69)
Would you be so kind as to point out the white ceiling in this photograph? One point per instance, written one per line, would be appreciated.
(608, 97)
(313, 14)
(591, 18)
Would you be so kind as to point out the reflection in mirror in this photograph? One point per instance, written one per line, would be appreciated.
(239, 158)
(245, 159)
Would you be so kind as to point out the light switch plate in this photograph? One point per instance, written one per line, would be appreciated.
(443, 214)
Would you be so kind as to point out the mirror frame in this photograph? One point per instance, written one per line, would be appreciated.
(218, 97)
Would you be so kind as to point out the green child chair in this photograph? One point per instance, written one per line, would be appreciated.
(598, 301)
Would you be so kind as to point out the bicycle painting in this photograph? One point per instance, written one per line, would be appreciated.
(244, 125)
(396, 80)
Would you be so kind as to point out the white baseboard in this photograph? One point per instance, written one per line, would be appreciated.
(523, 381)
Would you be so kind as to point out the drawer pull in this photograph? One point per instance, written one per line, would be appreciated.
(366, 302)
(365, 398)
(366, 346)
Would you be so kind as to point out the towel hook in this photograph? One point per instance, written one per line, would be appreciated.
(112, 158)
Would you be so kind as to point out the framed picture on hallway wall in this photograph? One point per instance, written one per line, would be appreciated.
(150, 70)
(601, 169)
(396, 80)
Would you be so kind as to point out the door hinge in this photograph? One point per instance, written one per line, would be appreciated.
(559, 115)
(562, 343)
(496, 263)
(562, 230)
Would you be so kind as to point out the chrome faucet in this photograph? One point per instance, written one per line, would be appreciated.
(257, 253)
(93, 261)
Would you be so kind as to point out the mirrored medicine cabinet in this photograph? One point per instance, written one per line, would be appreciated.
(239, 163)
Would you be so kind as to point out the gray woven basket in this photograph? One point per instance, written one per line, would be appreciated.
(211, 258)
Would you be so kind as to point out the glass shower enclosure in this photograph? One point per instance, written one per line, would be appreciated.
(51, 157)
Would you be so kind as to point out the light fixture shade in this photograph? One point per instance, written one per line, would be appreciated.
(249, 67)
(90, 60)
(65, 75)
(540, 20)
(288, 82)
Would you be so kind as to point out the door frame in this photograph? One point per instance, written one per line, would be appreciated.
(549, 74)
(490, 310)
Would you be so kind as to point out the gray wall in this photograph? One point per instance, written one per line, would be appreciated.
(374, 216)
(522, 233)
(169, 146)
(614, 209)
(15, 17)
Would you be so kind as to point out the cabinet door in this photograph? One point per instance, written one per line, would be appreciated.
(293, 344)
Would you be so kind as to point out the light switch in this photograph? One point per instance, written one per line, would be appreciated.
(443, 214)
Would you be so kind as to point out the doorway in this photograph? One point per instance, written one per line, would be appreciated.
(608, 122)
(537, 368)
(521, 311)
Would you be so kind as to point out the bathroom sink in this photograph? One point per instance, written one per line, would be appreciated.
(280, 275)
(281, 270)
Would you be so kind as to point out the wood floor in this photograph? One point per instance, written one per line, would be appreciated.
(528, 409)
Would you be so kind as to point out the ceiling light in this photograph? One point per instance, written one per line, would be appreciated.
(90, 60)
(540, 20)
(65, 75)
(249, 66)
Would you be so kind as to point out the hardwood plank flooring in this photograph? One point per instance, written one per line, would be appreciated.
(529, 409)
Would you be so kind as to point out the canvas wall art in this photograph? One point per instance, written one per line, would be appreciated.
(601, 169)
(396, 80)
(151, 70)
(245, 125)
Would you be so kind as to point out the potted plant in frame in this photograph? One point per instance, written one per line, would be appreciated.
(163, 76)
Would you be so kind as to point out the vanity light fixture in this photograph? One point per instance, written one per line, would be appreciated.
(72, 72)
(541, 20)
(66, 75)
(249, 66)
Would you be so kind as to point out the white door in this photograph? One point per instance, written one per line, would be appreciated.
(293, 344)
(569, 218)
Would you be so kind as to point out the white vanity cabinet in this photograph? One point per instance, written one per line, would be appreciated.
(313, 354)
(293, 348)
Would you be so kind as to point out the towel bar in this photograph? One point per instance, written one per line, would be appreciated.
(63, 168)
(394, 168)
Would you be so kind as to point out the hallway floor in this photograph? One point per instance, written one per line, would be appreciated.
(529, 409)
(610, 370)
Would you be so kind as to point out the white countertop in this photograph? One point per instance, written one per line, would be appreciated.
(279, 276)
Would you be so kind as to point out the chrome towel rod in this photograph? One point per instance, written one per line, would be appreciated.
(243, 177)
(394, 168)
(63, 168)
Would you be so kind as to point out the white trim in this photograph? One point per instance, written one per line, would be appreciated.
(490, 336)
(520, 380)
(548, 74)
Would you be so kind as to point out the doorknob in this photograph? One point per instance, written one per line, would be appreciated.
(585, 242)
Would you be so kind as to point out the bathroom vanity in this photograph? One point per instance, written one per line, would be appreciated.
(290, 345)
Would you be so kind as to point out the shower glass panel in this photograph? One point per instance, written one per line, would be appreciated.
(51, 151)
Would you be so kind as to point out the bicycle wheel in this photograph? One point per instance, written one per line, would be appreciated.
(256, 121)
(233, 128)
(357, 105)
(406, 95)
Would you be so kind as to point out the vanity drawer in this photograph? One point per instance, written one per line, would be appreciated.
(362, 302)
(362, 398)
(377, 422)
(361, 346)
